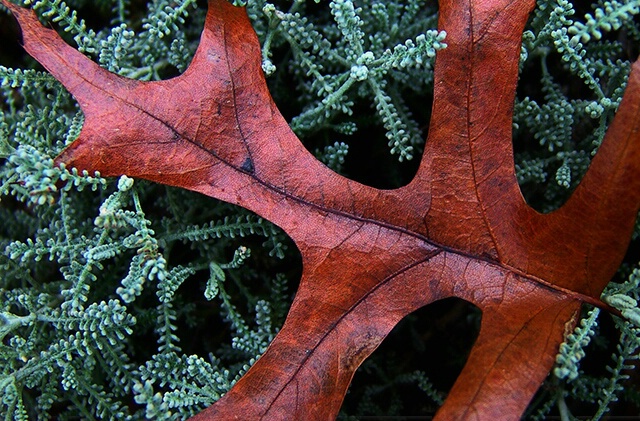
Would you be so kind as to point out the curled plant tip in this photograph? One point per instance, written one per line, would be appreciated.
(627, 305)
(620, 301)
(125, 183)
(633, 315)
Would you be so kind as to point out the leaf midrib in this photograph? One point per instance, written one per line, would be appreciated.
(364, 220)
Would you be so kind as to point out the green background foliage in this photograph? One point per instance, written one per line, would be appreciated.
(124, 299)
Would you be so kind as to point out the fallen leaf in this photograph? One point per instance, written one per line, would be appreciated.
(461, 228)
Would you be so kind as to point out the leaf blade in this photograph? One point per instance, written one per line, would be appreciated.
(460, 228)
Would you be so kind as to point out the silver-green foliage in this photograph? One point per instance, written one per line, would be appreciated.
(569, 122)
(368, 54)
(604, 390)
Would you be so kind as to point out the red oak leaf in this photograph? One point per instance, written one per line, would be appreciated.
(461, 228)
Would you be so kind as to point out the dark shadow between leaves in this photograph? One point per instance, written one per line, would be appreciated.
(426, 350)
